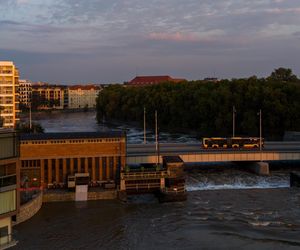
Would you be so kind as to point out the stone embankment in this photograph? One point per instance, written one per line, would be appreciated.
(30, 208)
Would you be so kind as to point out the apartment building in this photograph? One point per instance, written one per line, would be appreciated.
(9, 184)
(83, 96)
(46, 96)
(9, 95)
(25, 92)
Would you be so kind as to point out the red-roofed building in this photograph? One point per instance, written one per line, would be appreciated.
(150, 80)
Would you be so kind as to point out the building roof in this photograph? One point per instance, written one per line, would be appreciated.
(148, 80)
(72, 135)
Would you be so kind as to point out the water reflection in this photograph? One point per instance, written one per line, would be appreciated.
(57, 121)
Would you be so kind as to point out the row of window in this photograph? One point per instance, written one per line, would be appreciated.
(72, 141)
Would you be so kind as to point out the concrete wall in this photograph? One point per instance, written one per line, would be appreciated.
(30, 208)
(70, 196)
(260, 168)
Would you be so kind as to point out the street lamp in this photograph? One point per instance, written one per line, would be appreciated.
(260, 135)
(233, 121)
(156, 138)
(144, 125)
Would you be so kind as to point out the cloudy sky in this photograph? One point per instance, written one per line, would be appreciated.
(71, 41)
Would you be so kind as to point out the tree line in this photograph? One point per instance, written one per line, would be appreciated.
(206, 107)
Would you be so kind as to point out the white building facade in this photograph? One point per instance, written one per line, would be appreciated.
(83, 96)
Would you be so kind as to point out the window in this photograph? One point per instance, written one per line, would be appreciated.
(9, 203)
(3, 231)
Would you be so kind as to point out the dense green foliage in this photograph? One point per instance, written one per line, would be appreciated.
(25, 128)
(206, 107)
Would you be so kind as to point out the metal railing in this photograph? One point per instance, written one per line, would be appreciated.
(143, 186)
(144, 175)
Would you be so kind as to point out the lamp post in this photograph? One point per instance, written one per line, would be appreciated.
(260, 135)
(233, 121)
(156, 138)
(144, 125)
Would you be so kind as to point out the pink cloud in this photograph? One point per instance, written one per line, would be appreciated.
(178, 36)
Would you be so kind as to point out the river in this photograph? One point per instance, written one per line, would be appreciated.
(227, 208)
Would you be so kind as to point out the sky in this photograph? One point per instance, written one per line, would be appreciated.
(107, 41)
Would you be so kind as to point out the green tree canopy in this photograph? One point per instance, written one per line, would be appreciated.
(283, 74)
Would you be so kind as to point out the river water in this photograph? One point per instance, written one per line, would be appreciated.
(227, 208)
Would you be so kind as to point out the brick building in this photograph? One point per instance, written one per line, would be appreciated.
(47, 159)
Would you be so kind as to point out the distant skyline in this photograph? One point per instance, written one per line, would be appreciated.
(73, 41)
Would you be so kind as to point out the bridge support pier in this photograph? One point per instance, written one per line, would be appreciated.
(260, 168)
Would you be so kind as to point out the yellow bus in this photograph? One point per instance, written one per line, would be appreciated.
(232, 142)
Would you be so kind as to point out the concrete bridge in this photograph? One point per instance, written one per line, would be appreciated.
(193, 153)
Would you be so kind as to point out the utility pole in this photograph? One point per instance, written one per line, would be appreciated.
(260, 135)
(233, 121)
(156, 138)
(145, 125)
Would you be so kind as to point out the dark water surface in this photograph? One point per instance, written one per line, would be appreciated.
(58, 121)
(215, 219)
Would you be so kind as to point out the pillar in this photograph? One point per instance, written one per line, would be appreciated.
(57, 170)
(294, 179)
(260, 168)
(78, 165)
(107, 168)
(49, 171)
(72, 166)
(115, 159)
(86, 165)
(64, 170)
(93, 169)
(100, 169)
(42, 173)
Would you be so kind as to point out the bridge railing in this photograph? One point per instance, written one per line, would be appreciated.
(144, 186)
(144, 175)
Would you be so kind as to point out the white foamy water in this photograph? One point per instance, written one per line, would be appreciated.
(235, 180)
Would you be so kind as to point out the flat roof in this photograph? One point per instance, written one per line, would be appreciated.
(72, 135)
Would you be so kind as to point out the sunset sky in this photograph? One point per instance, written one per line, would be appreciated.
(104, 41)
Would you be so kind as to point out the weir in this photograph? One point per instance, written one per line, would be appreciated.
(166, 180)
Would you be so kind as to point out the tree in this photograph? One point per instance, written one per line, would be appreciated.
(283, 74)
(25, 128)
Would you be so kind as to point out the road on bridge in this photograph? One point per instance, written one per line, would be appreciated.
(182, 148)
